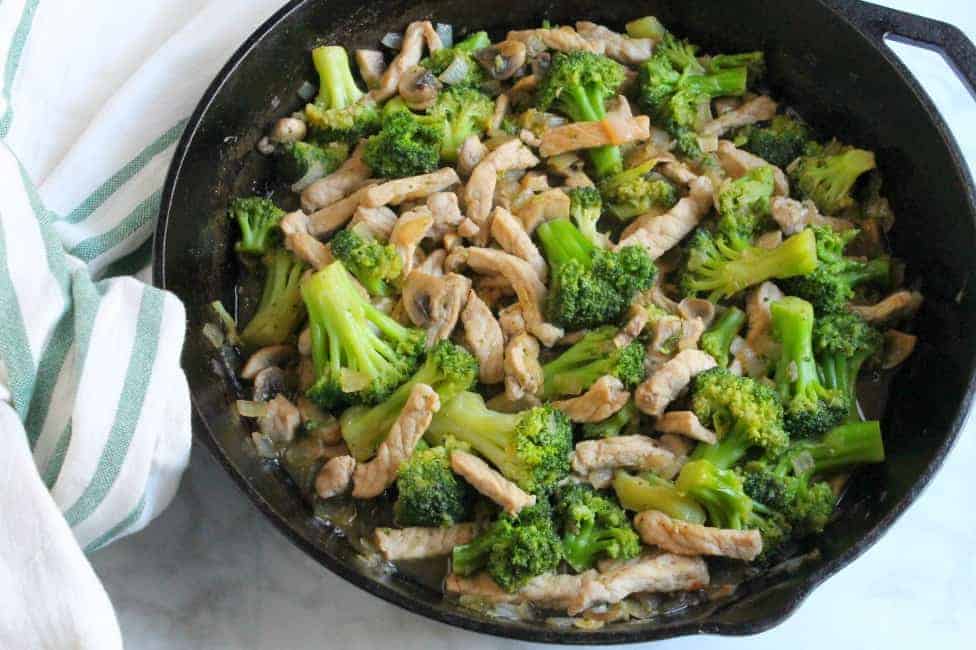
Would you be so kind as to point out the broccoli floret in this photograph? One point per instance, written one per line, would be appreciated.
(360, 354)
(463, 112)
(405, 146)
(590, 286)
(593, 527)
(429, 493)
(586, 207)
(743, 206)
(718, 338)
(577, 85)
(590, 358)
(280, 309)
(723, 496)
(257, 218)
(844, 447)
(754, 62)
(513, 550)
(675, 91)
(744, 414)
(780, 143)
(531, 448)
(651, 492)
(471, 74)
(718, 269)
(810, 408)
(828, 175)
(831, 285)
(377, 266)
(624, 420)
(303, 163)
(449, 369)
(842, 343)
(637, 190)
(340, 112)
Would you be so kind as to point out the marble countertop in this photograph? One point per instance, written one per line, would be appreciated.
(211, 573)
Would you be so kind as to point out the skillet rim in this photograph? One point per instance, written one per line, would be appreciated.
(570, 636)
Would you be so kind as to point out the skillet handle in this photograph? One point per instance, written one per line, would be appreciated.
(877, 22)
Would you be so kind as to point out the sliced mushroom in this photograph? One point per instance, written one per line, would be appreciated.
(502, 60)
(273, 355)
(269, 382)
(288, 129)
(419, 87)
(697, 309)
(898, 346)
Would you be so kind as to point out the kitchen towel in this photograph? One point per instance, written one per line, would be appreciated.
(94, 407)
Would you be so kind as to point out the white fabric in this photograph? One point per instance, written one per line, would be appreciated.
(94, 407)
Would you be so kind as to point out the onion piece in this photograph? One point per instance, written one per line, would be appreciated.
(708, 143)
(392, 40)
(306, 91)
(213, 334)
(456, 72)
(446, 34)
(249, 409)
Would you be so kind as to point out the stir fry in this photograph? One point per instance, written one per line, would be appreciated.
(587, 310)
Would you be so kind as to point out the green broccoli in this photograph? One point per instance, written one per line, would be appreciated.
(340, 111)
(578, 85)
(637, 190)
(842, 343)
(590, 286)
(462, 112)
(531, 448)
(590, 358)
(360, 354)
(831, 285)
(280, 309)
(753, 62)
(828, 174)
(723, 496)
(513, 550)
(743, 206)
(676, 92)
(651, 492)
(585, 208)
(646, 27)
(429, 493)
(718, 269)
(810, 408)
(844, 447)
(257, 218)
(780, 143)
(449, 369)
(593, 527)
(744, 413)
(717, 339)
(303, 163)
(624, 420)
(407, 145)
(469, 72)
(377, 266)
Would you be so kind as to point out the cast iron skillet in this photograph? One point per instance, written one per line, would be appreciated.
(827, 58)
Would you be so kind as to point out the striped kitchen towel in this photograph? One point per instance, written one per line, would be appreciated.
(93, 404)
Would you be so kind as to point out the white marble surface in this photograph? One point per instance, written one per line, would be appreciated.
(212, 574)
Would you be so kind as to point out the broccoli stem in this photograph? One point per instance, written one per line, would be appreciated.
(850, 444)
(488, 432)
(650, 492)
(337, 88)
(796, 371)
(719, 491)
(717, 340)
(877, 270)
(730, 81)
(280, 309)
(470, 558)
(646, 27)
(563, 242)
(726, 452)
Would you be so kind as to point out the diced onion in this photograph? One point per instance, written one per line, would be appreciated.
(392, 40)
(708, 143)
(213, 334)
(265, 146)
(249, 409)
(456, 72)
(306, 91)
(446, 32)
(351, 381)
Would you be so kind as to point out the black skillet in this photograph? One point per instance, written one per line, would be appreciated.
(827, 58)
